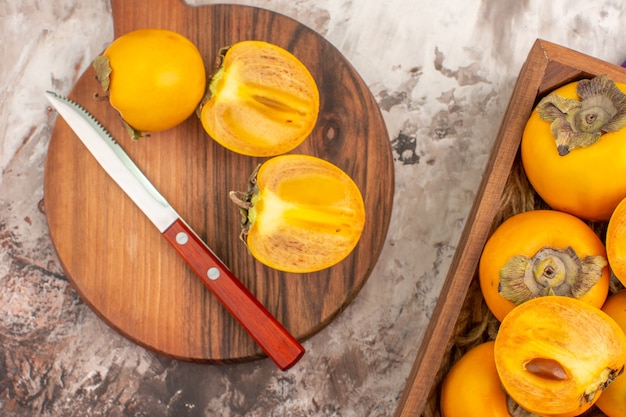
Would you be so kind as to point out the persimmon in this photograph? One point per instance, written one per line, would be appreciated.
(555, 355)
(472, 387)
(262, 100)
(538, 253)
(301, 213)
(574, 148)
(616, 242)
(612, 401)
(155, 79)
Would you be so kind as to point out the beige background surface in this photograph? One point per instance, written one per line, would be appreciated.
(442, 73)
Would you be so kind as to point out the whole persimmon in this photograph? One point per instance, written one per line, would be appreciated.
(472, 387)
(154, 78)
(538, 253)
(574, 148)
(301, 213)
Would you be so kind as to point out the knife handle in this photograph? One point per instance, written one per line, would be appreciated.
(273, 338)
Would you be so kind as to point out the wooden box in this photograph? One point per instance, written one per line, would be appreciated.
(461, 319)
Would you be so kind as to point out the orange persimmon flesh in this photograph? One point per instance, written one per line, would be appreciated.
(305, 214)
(262, 101)
(556, 354)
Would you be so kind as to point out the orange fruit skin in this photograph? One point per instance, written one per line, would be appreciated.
(157, 78)
(588, 182)
(525, 234)
(472, 387)
(263, 101)
(616, 242)
(612, 401)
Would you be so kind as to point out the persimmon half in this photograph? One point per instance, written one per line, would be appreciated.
(555, 355)
(262, 101)
(472, 387)
(301, 213)
(538, 253)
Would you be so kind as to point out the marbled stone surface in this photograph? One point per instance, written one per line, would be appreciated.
(442, 73)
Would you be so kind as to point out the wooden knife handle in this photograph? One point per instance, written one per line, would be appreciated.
(273, 338)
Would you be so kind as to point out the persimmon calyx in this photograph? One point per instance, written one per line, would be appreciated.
(549, 272)
(215, 78)
(102, 66)
(515, 410)
(578, 123)
(245, 201)
(606, 378)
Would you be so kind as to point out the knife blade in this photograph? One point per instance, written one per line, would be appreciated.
(269, 334)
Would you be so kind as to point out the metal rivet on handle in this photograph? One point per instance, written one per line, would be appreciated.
(182, 238)
(213, 273)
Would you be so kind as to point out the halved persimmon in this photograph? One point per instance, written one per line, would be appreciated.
(262, 101)
(555, 355)
(301, 213)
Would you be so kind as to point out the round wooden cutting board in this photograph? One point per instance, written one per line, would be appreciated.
(127, 272)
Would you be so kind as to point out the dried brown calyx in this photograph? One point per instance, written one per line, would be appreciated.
(549, 272)
(102, 67)
(245, 201)
(576, 123)
(515, 410)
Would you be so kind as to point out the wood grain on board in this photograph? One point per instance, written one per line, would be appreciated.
(126, 271)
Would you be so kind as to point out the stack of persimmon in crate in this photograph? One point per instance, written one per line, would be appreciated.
(530, 317)
(542, 330)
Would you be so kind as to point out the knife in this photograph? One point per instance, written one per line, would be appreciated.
(270, 335)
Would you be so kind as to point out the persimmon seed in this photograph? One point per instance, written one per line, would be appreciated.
(547, 369)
